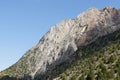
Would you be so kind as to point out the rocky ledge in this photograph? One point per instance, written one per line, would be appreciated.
(63, 39)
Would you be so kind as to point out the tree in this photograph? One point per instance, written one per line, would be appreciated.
(74, 77)
(63, 76)
(91, 75)
(112, 59)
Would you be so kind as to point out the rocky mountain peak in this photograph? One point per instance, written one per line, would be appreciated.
(63, 39)
(94, 16)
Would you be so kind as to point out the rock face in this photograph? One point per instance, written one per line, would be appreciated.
(63, 39)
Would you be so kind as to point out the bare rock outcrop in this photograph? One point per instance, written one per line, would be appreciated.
(63, 39)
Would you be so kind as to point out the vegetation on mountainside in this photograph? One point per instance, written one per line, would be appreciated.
(18, 70)
(99, 60)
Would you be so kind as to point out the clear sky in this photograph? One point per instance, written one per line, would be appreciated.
(24, 22)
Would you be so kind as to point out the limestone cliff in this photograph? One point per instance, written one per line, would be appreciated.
(63, 39)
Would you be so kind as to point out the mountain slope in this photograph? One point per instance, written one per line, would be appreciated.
(99, 60)
(70, 41)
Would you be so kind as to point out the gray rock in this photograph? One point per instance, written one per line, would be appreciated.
(63, 39)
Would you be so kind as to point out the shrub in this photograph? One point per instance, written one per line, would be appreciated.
(112, 59)
(63, 76)
(90, 75)
(74, 77)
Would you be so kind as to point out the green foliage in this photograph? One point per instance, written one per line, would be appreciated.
(91, 75)
(102, 67)
(112, 59)
(110, 74)
(74, 77)
(82, 77)
(63, 76)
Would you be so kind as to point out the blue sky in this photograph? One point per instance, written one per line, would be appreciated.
(24, 22)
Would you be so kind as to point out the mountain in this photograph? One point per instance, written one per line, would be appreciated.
(84, 48)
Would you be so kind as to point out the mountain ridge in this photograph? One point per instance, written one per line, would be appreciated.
(63, 39)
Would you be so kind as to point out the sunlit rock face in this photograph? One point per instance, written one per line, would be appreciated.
(63, 39)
